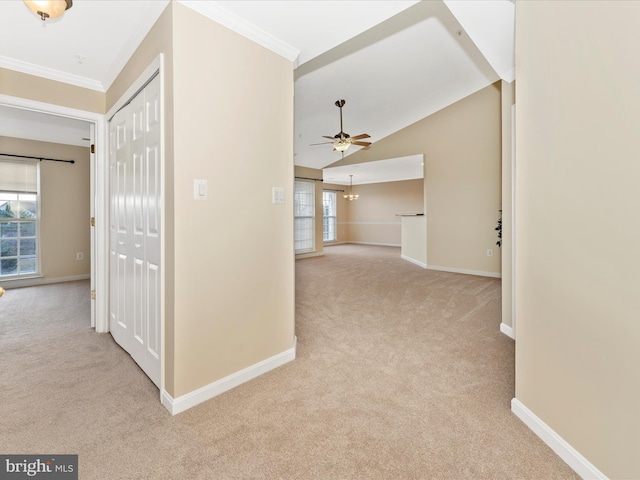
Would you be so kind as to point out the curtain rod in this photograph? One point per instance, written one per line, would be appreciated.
(332, 190)
(314, 179)
(37, 158)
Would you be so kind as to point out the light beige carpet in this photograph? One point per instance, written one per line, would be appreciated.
(401, 373)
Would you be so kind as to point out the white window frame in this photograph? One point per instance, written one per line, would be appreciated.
(329, 203)
(37, 272)
(304, 238)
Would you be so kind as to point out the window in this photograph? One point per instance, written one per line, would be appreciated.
(18, 219)
(329, 216)
(303, 206)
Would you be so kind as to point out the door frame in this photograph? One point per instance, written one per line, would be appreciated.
(98, 204)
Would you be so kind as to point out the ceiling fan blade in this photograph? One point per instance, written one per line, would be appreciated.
(330, 138)
(323, 143)
(361, 144)
(361, 136)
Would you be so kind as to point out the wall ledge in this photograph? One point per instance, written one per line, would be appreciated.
(560, 446)
(191, 399)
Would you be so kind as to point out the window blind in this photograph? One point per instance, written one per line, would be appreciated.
(19, 177)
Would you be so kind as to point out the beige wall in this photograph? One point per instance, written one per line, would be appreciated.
(64, 207)
(40, 89)
(577, 231)
(234, 267)
(462, 151)
(372, 218)
(414, 239)
(508, 98)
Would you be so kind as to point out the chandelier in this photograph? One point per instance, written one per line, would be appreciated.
(49, 8)
(351, 197)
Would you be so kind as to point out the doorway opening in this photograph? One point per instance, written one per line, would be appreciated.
(61, 122)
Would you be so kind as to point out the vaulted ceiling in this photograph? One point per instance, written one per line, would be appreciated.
(394, 62)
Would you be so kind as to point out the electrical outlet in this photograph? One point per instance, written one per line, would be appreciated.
(79, 256)
(489, 253)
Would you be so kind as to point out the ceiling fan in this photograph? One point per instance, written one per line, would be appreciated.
(341, 141)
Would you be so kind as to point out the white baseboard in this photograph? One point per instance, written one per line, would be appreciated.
(507, 330)
(309, 255)
(415, 262)
(466, 272)
(191, 399)
(35, 281)
(376, 244)
(564, 450)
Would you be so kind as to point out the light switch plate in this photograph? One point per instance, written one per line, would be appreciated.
(200, 190)
(277, 195)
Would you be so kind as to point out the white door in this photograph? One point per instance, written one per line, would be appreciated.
(136, 203)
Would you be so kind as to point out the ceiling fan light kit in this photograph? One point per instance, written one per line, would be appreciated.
(341, 145)
(49, 8)
(342, 141)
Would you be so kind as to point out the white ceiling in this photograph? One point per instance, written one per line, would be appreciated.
(21, 123)
(394, 62)
(87, 46)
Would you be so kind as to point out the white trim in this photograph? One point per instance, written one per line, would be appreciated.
(507, 330)
(309, 255)
(369, 223)
(101, 273)
(513, 219)
(214, 389)
(465, 271)
(241, 26)
(377, 244)
(163, 221)
(416, 262)
(50, 108)
(50, 73)
(92, 213)
(563, 449)
(35, 281)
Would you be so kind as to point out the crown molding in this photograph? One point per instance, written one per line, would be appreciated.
(242, 27)
(50, 73)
